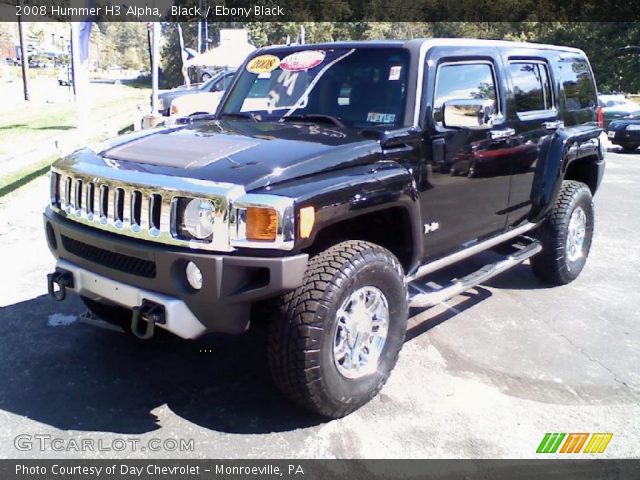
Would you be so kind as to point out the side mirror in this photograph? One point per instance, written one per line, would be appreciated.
(471, 113)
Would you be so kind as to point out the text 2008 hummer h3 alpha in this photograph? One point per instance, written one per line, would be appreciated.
(331, 179)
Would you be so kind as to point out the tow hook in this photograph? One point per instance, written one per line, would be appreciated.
(63, 279)
(151, 313)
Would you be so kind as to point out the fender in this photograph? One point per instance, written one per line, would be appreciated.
(348, 193)
(558, 151)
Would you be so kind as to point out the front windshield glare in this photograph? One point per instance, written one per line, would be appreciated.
(359, 87)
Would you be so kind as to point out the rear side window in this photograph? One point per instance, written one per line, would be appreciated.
(579, 90)
(463, 81)
(532, 86)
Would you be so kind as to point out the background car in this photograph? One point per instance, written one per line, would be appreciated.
(617, 106)
(205, 73)
(64, 76)
(201, 103)
(218, 83)
(625, 133)
(207, 102)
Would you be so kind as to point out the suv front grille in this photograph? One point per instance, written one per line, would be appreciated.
(139, 204)
(117, 261)
(110, 204)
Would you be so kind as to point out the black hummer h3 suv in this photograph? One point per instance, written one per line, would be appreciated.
(326, 191)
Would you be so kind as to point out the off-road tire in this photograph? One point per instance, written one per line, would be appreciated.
(300, 346)
(552, 265)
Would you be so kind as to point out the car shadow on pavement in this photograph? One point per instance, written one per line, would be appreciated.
(71, 376)
(79, 377)
(422, 325)
(520, 277)
(617, 149)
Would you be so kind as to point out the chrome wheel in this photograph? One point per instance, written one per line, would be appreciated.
(361, 332)
(576, 234)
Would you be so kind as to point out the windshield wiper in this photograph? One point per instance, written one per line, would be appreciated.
(247, 115)
(317, 117)
(196, 117)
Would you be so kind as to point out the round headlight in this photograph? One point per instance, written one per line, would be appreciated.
(199, 218)
(194, 275)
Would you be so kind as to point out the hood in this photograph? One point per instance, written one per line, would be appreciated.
(251, 154)
(622, 124)
(178, 92)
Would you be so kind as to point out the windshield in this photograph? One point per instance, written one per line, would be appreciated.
(359, 87)
(206, 86)
(616, 101)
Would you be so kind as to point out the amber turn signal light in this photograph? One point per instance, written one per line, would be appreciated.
(262, 224)
(307, 219)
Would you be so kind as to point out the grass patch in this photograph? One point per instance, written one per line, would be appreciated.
(15, 180)
(112, 107)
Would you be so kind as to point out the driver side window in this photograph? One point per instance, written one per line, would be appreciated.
(463, 81)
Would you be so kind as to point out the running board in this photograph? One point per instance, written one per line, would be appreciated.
(425, 299)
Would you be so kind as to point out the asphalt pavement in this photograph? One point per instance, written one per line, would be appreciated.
(485, 375)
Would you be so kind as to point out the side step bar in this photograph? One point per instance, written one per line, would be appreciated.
(468, 252)
(424, 299)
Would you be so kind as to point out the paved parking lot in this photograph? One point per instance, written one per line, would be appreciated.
(486, 375)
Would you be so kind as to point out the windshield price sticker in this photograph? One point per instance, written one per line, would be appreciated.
(263, 64)
(394, 73)
(300, 61)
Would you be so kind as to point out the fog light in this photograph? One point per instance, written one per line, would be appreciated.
(194, 276)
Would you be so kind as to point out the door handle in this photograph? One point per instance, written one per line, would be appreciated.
(554, 125)
(498, 134)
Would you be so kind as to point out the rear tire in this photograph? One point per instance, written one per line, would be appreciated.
(629, 148)
(566, 235)
(331, 350)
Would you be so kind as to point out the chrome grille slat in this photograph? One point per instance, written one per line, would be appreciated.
(88, 195)
(77, 197)
(165, 215)
(133, 209)
(67, 194)
(145, 211)
(126, 209)
(155, 211)
(103, 207)
(111, 205)
(90, 202)
(119, 207)
(54, 189)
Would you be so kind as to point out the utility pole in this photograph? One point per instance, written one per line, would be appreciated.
(24, 59)
(199, 49)
(155, 46)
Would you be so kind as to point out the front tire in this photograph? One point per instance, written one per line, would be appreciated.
(339, 334)
(566, 235)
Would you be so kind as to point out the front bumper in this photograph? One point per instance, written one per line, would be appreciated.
(124, 271)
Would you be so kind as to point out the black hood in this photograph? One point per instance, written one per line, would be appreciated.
(243, 152)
